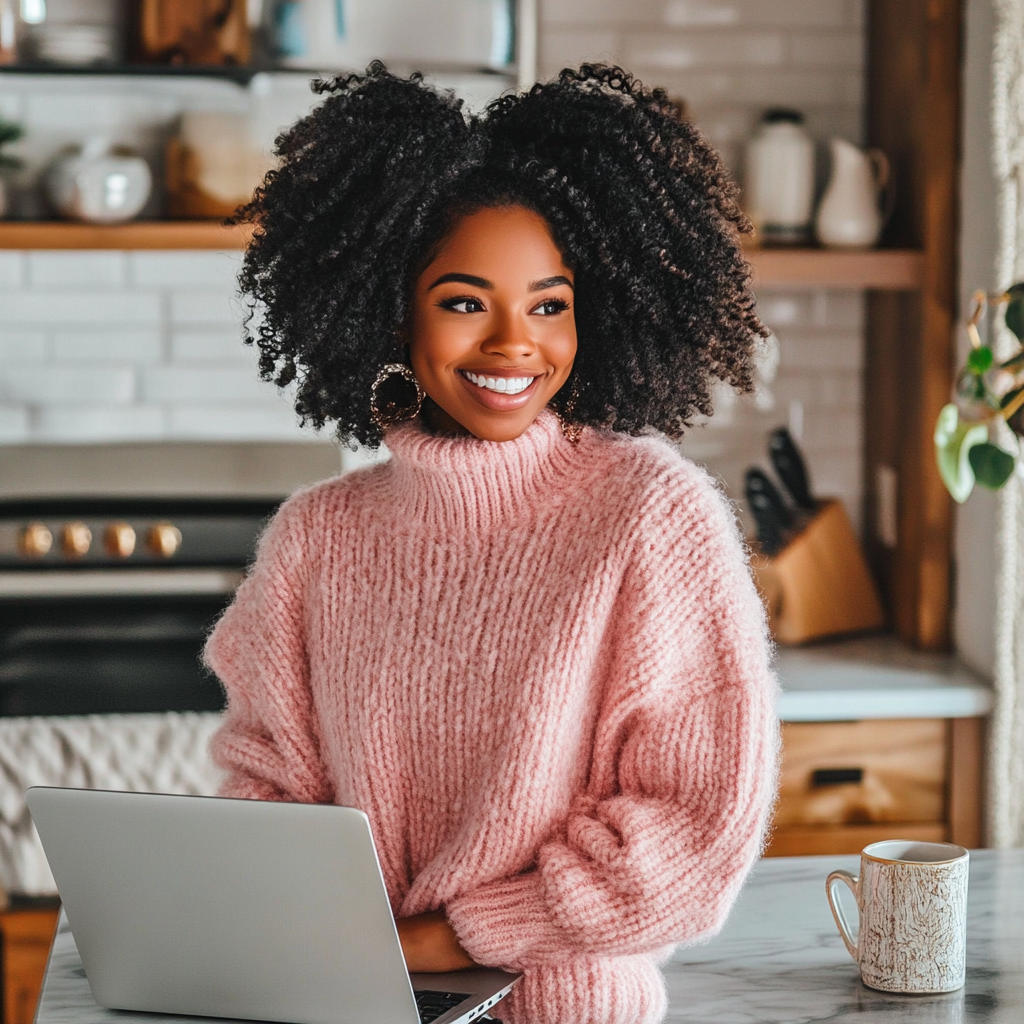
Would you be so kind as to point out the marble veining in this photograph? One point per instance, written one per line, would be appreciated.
(779, 960)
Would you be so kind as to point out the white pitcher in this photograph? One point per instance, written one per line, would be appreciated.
(850, 214)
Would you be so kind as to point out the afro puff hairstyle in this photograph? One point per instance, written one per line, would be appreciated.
(371, 182)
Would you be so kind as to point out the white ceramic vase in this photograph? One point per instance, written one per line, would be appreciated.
(98, 184)
(850, 213)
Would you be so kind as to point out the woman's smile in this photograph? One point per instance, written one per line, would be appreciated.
(501, 389)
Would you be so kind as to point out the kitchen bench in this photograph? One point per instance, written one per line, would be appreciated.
(779, 959)
(910, 724)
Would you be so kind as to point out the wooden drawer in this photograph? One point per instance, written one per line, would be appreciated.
(860, 773)
(844, 785)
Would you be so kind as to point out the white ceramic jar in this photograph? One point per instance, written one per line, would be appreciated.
(98, 183)
(779, 194)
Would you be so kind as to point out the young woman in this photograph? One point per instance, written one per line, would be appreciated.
(528, 647)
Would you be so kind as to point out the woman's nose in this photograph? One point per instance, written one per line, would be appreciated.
(511, 336)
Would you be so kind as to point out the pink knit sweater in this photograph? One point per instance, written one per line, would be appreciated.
(542, 671)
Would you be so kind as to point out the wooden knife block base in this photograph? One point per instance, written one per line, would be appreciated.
(818, 585)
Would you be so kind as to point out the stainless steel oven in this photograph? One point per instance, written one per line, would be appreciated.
(105, 603)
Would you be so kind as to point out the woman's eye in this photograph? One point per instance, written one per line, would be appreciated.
(549, 307)
(462, 304)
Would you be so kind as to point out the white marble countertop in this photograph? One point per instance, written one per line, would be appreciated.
(779, 960)
(875, 677)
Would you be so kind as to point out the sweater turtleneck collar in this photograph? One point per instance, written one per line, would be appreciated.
(461, 481)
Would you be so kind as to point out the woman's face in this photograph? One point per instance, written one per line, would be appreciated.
(493, 331)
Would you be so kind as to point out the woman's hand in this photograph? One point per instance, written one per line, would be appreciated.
(429, 944)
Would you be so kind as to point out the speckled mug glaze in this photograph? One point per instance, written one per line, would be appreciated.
(912, 902)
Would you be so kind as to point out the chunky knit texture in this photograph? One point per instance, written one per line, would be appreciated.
(542, 671)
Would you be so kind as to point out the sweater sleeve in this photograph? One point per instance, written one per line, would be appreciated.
(268, 744)
(683, 769)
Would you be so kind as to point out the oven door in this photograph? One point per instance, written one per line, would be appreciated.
(109, 642)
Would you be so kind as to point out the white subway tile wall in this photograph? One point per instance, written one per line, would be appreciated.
(143, 346)
(729, 60)
(147, 345)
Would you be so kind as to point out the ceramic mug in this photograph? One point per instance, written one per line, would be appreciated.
(912, 902)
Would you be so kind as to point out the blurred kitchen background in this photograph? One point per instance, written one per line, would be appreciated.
(124, 370)
(140, 453)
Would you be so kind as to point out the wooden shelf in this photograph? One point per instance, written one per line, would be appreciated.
(140, 234)
(884, 269)
(887, 269)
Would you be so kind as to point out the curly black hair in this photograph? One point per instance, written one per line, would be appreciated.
(372, 181)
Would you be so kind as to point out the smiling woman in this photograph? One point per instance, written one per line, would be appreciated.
(528, 646)
(633, 204)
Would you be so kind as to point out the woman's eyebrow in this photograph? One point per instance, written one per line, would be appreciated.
(476, 282)
(550, 282)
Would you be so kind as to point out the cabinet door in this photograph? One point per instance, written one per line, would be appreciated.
(27, 936)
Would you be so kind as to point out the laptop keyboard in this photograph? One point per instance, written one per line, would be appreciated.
(432, 1004)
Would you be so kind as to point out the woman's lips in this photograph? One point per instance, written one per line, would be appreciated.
(498, 401)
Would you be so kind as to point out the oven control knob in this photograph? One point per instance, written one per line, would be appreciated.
(35, 540)
(164, 539)
(119, 540)
(75, 539)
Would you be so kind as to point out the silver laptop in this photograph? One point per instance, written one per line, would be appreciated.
(239, 908)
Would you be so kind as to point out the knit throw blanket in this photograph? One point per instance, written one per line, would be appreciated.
(139, 753)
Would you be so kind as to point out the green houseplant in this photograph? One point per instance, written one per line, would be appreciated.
(987, 392)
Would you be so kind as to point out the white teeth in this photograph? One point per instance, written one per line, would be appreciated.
(503, 385)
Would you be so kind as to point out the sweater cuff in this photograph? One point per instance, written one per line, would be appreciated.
(507, 923)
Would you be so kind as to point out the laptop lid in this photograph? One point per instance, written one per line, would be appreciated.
(227, 908)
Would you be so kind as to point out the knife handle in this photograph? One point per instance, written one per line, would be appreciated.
(789, 464)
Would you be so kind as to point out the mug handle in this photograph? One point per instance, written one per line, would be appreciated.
(837, 910)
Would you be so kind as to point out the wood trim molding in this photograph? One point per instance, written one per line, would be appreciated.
(965, 800)
(914, 116)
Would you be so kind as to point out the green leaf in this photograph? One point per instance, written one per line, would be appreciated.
(954, 440)
(1015, 313)
(980, 360)
(992, 466)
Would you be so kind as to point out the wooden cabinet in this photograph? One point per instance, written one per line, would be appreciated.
(27, 936)
(846, 784)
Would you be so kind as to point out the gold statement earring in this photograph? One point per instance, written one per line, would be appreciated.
(572, 430)
(391, 412)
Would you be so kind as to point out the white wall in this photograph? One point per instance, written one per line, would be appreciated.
(976, 520)
(141, 346)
